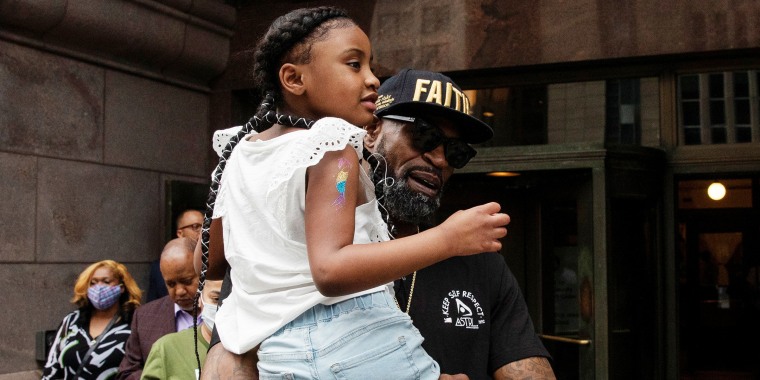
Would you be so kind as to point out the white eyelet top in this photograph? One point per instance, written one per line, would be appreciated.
(261, 202)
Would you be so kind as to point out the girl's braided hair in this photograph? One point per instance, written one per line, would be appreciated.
(288, 39)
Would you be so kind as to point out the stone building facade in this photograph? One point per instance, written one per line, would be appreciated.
(102, 103)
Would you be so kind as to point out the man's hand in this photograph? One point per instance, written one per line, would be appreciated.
(221, 364)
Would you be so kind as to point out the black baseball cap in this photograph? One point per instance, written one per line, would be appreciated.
(417, 93)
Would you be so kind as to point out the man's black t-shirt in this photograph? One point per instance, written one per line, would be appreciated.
(472, 314)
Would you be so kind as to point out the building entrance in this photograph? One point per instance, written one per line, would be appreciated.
(549, 248)
(584, 244)
(718, 263)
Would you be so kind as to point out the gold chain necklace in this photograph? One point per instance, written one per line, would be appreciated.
(411, 292)
(411, 289)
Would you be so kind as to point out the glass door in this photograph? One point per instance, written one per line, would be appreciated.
(549, 248)
(567, 300)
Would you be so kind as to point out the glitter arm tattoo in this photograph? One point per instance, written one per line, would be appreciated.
(340, 182)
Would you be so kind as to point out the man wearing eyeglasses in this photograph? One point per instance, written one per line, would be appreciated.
(189, 224)
(469, 309)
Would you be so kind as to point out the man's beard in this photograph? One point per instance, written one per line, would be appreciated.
(398, 200)
(406, 205)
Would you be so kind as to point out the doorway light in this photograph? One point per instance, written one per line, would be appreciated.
(716, 191)
(502, 174)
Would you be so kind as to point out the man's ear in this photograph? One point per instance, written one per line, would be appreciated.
(291, 79)
(373, 134)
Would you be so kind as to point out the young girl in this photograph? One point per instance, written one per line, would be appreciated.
(298, 212)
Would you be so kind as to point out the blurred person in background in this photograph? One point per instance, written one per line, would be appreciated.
(90, 342)
(189, 224)
(173, 356)
(167, 314)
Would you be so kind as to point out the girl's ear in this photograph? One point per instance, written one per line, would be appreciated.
(291, 79)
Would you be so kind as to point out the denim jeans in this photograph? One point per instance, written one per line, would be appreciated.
(365, 337)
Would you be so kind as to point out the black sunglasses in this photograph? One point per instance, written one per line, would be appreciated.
(426, 137)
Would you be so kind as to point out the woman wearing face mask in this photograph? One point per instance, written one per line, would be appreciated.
(172, 357)
(90, 341)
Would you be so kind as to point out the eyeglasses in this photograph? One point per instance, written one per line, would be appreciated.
(426, 137)
(195, 226)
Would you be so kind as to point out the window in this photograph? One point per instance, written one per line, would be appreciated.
(718, 108)
(622, 112)
(518, 115)
(742, 102)
(614, 111)
(690, 111)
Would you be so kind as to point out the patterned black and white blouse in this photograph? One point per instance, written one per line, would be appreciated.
(72, 342)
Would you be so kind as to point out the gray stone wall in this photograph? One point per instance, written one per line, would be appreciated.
(97, 112)
(460, 35)
(481, 34)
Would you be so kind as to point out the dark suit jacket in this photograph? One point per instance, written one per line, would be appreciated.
(150, 322)
(156, 284)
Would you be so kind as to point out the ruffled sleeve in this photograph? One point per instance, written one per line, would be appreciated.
(326, 135)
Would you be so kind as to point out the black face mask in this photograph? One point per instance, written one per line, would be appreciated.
(426, 137)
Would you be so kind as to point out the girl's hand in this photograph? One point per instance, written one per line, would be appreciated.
(475, 230)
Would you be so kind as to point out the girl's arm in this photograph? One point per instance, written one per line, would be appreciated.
(340, 267)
